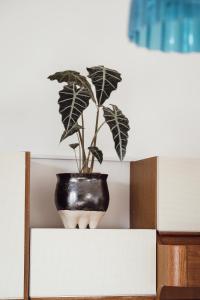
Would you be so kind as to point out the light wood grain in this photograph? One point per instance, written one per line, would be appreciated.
(178, 265)
(143, 193)
(171, 265)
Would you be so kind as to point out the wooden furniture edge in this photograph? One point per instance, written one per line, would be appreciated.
(179, 238)
(99, 298)
(143, 193)
(179, 293)
(27, 227)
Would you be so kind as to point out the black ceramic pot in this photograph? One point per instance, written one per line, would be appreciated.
(81, 199)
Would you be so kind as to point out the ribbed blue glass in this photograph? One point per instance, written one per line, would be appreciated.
(166, 25)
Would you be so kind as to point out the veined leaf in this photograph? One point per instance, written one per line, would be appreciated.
(119, 126)
(98, 154)
(73, 101)
(105, 81)
(74, 146)
(73, 130)
(71, 77)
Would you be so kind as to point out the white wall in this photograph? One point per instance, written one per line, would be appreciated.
(159, 93)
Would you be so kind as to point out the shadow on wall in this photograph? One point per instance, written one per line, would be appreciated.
(43, 182)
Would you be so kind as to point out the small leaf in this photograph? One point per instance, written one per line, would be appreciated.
(74, 146)
(105, 81)
(119, 126)
(98, 154)
(73, 130)
(63, 136)
(73, 77)
(65, 76)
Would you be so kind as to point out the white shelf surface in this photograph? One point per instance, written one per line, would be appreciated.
(99, 262)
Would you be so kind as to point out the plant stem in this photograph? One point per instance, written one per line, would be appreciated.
(95, 139)
(85, 166)
(89, 153)
(97, 132)
(83, 149)
(76, 161)
(83, 138)
(79, 150)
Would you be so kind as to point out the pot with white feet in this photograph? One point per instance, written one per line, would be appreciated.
(81, 199)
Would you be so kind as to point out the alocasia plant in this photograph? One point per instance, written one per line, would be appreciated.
(75, 98)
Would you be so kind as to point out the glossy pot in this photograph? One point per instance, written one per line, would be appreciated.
(81, 199)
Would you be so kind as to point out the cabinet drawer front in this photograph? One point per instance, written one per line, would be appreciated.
(12, 201)
(92, 262)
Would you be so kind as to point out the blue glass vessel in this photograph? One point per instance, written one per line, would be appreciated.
(166, 25)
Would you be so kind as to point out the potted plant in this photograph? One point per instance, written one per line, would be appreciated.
(82, 198)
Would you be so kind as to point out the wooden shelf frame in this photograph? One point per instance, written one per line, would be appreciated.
(178, 266)
(143, 190)
(164, 194)
(179, 293)
(100, 298)
(178, 254)
(27, 228)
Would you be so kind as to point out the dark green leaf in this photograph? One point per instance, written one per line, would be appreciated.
(74, 146)
(105, 81)
(67, 76)
(73, 101)
(73, 130)
(71, 77)
(98, 154)
(119, 126)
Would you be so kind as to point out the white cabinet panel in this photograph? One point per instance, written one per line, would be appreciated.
(12, 205)
(92, 262)
(178, 201)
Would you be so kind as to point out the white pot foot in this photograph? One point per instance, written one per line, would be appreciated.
(82, 218)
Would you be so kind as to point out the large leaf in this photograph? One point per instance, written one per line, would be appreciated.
(73, 130)
(119, 126)
(98, 154)
(71, 77)
(73, 101)
(105, 81)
